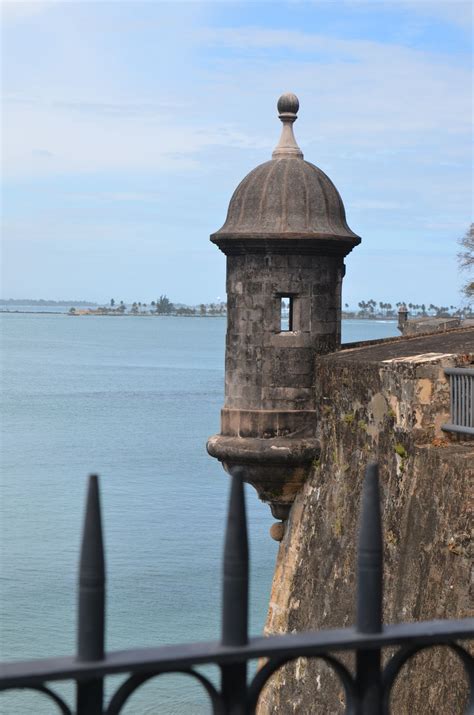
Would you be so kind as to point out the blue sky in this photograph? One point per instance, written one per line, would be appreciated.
(127, 126)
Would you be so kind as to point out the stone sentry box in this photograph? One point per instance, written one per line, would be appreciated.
(285, 236)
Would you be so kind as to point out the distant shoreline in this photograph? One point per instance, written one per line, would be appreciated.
(41, 302)
(35, 312)
(107, 315)
(163, 307)
(154, 315)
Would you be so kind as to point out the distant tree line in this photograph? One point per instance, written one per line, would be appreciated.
(466, 261)
(160, 306)
(368, 309)
(371, 309)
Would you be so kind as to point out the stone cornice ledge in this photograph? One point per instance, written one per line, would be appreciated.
(251, 449)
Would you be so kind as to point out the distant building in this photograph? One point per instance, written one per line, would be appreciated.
(425, 325)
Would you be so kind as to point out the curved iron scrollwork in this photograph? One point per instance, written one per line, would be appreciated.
(367, 690)
(403, 655)
(131, 685)
(273, 665)
(57, 700)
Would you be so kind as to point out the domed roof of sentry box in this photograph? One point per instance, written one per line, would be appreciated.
(287, 198)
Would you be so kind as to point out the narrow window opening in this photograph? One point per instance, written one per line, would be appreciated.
(286, 313)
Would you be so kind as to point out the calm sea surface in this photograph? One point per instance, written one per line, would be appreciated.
(133, 399)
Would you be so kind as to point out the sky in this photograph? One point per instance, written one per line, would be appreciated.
(126, 127)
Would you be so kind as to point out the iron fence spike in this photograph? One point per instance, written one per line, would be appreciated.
(235, 567)
(91, 616)
(369, 557)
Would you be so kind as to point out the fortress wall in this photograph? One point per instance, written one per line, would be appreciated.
(390, 411)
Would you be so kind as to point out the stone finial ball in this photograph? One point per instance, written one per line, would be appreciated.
(288, 103)
(277, 531)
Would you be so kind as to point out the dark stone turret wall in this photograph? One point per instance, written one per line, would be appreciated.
(268, 422)
(267, 369)
(285, 234)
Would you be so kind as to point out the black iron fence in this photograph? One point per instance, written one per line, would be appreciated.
(367, 689)
(461, 382)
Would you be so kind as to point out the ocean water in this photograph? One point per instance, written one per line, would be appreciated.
(133, 399)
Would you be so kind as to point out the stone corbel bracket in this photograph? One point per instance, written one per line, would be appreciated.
(276, 467)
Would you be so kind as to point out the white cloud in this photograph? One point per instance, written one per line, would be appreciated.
(20, 10)
(73, 143)
(350, 85)
(457, 12)
(376, 204)
(360, 96)
(116, 196)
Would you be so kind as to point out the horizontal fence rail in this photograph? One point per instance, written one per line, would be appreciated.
(367, 690)
(461, 380)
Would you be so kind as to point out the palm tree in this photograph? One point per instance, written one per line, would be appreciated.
(466, 261)
(164, 306)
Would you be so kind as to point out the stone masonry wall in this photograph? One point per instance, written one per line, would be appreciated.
(265, 368)
(390, 410)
